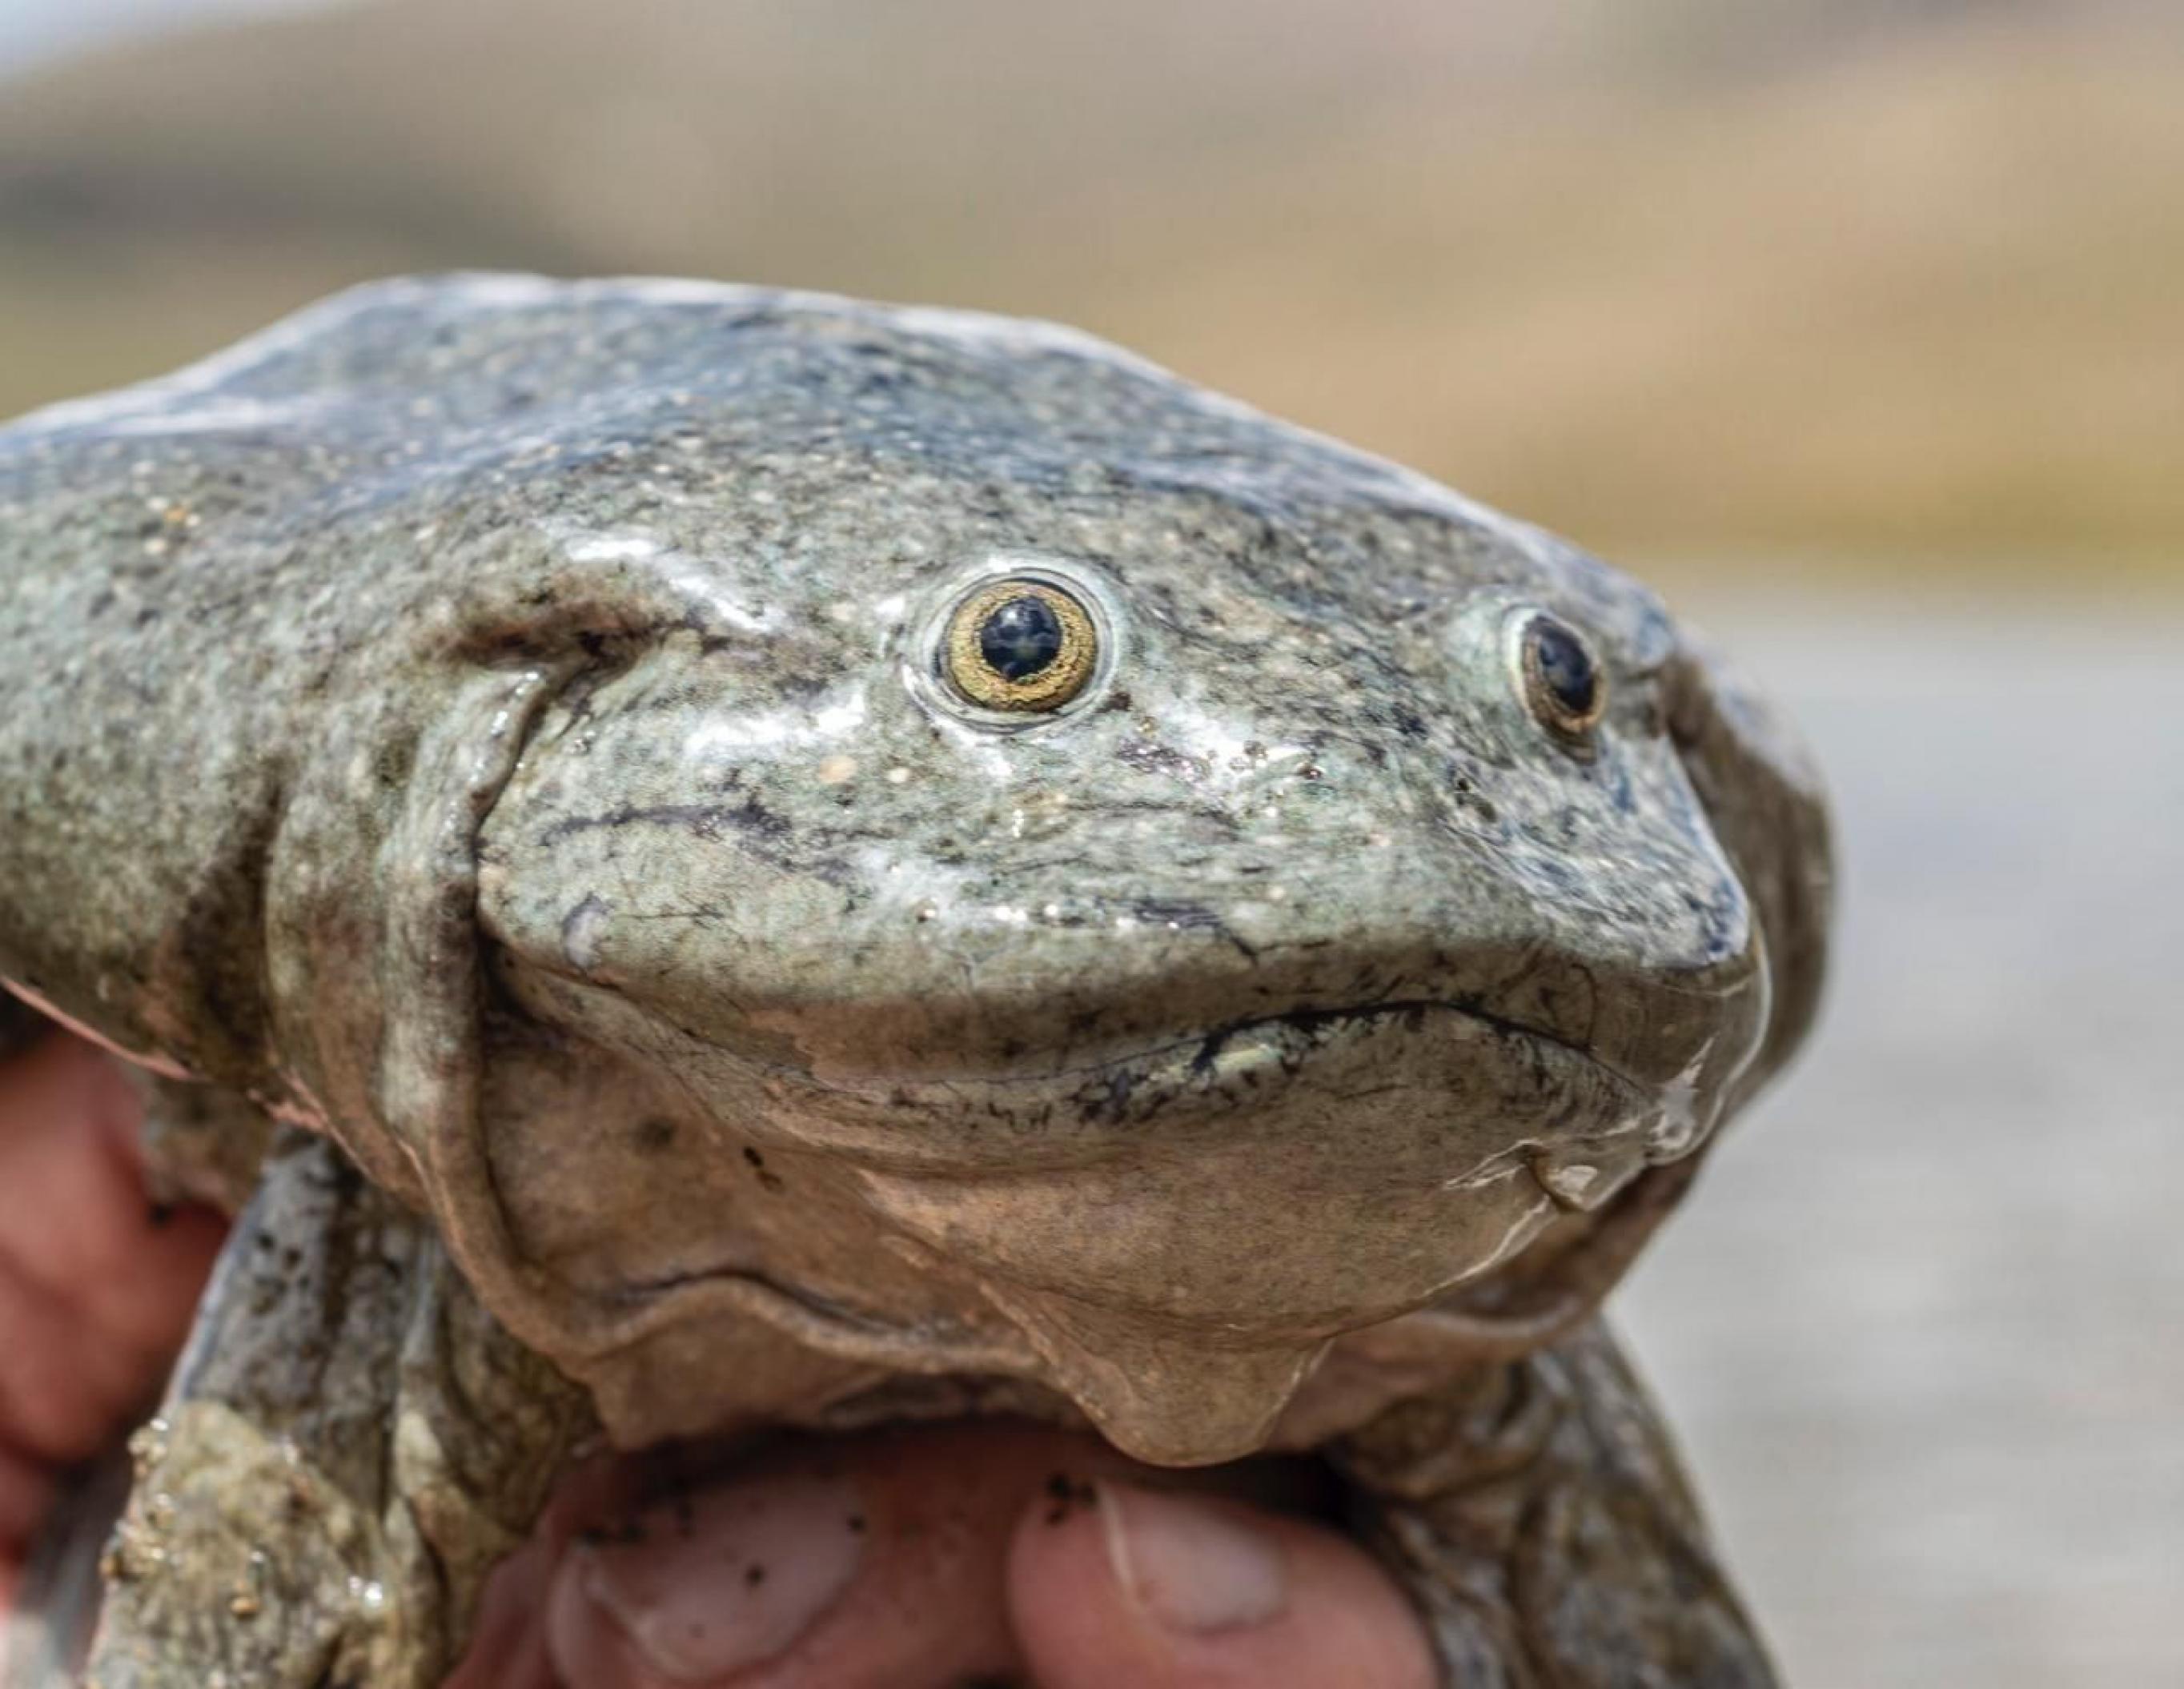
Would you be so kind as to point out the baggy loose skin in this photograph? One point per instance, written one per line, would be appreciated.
(531, 735)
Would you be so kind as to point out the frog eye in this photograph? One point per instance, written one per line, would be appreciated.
(1020, 644)
(1563, 685)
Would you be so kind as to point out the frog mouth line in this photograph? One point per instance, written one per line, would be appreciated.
(867, 1113)
(1309, 1022)
(1204, 1050)
(862, 1112)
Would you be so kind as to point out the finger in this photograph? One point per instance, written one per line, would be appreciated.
(832, 1564)
(94, 1290)
(508, 1637)
(508, 1644)
(1156, 1588)
(74, 1222)
(64, 1390)
(841, 1564)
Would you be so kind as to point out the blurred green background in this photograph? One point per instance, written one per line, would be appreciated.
(1878, 283)
(1856, 324)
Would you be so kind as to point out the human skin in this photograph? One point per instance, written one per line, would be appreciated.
(972, 1561)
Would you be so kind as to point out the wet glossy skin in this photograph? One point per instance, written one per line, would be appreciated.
(508, 726)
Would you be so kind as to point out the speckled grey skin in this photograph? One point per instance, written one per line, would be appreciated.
(495, 724)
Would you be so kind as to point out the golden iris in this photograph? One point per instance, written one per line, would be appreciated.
(1019, 645)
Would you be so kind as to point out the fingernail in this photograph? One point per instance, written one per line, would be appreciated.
(706, 1587)
(1193, 1566)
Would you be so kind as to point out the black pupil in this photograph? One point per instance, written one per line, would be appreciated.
(1021, 638)
(1566, 669)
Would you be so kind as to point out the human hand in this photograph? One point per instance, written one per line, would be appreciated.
(970, 1553)
(97, 1284)
(951, 1555)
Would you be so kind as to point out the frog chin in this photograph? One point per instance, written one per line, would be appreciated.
(1168, 1392)
(1164, 1394)
(1174, 1267)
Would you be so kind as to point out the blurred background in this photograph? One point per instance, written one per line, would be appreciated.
(1857, 326)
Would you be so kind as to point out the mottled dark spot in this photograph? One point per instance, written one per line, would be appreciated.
(1179, 914)
(769, 1181)
(1183, 916)
(704, 820)
(1469, 800)
(1158, 759)
(655, 1135)
(1064, 1493)
(1106, 1099)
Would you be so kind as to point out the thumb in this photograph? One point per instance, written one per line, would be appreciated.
(1155, 1589)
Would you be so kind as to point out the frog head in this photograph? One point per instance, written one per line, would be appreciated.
(1010, 865)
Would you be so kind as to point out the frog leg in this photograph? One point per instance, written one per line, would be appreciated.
(1537, 1512)
(348, 1446)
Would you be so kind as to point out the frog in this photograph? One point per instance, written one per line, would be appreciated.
(693, 860)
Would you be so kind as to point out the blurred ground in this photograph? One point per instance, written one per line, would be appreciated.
(1919, 1326)
(1846, 279)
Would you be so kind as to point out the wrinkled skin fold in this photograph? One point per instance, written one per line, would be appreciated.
(502, 729)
